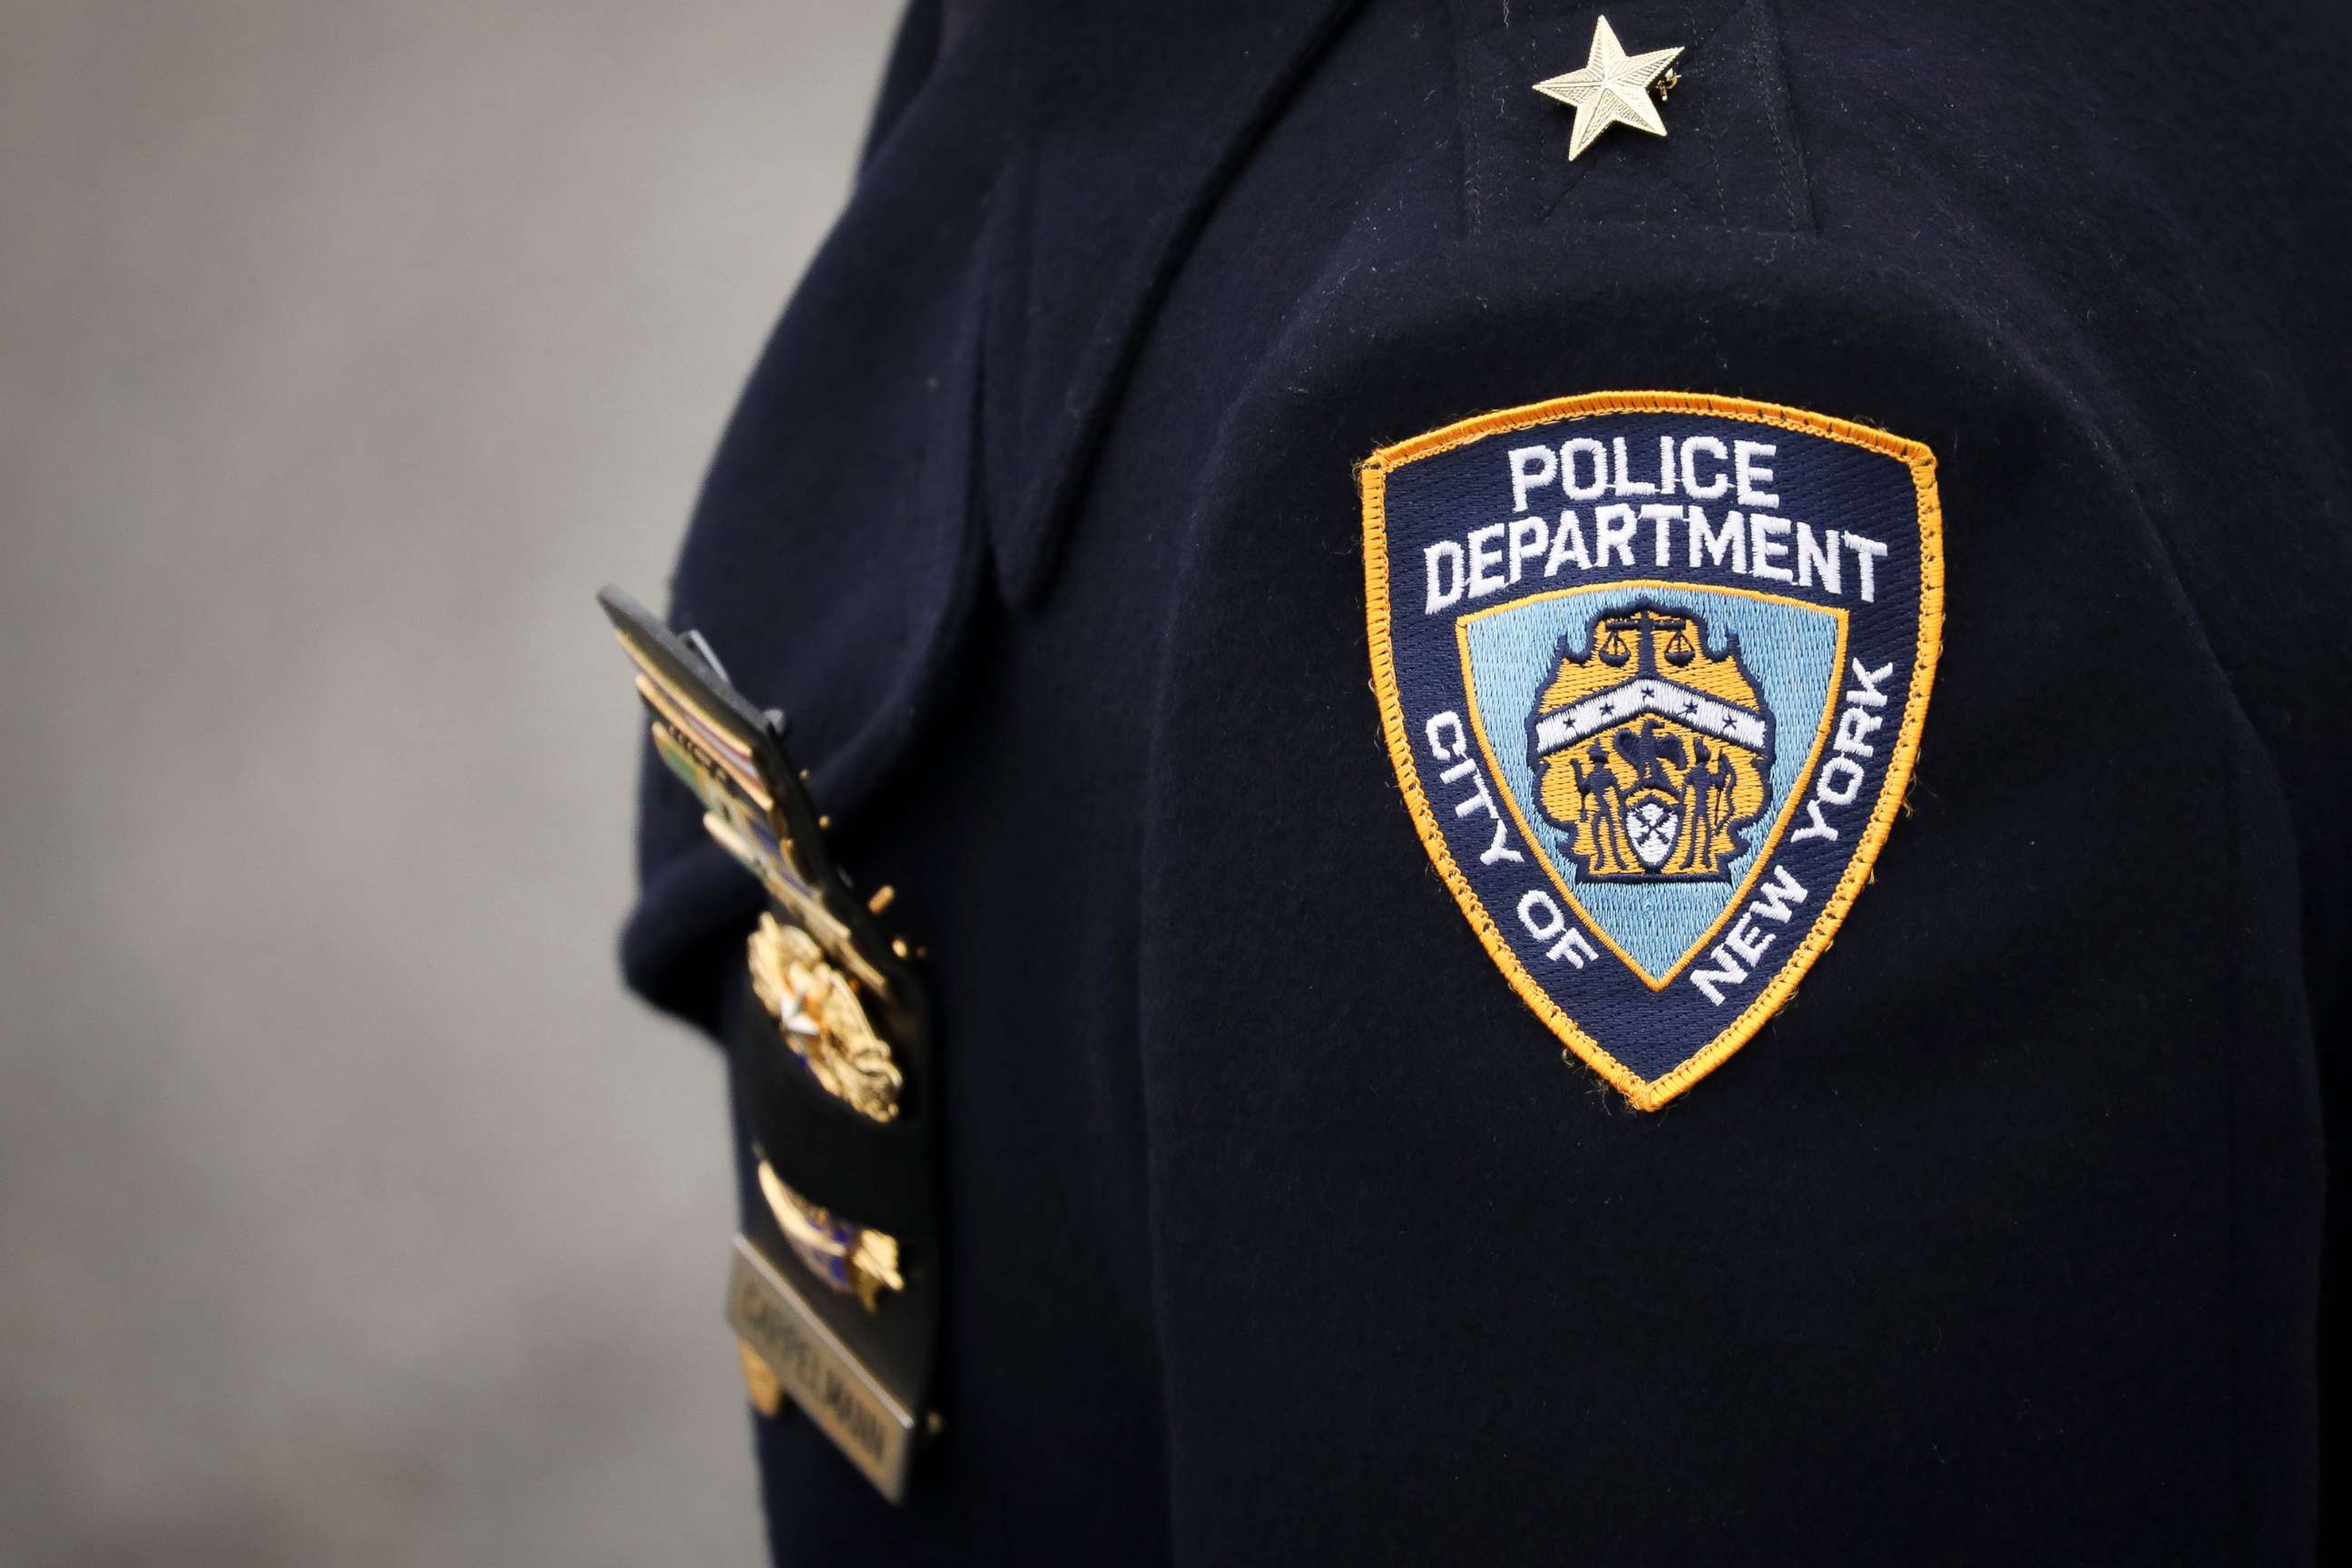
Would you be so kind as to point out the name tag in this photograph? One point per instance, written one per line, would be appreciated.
(874, 1426)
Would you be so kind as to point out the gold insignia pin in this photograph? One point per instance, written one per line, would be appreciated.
(1613, 88)
(817, 1008)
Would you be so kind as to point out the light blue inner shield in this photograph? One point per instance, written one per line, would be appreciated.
(1789, 649)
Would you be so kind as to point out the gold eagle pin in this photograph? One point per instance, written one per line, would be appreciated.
(1613, 88)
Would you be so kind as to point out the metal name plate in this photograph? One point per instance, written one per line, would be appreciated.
(833, 1388)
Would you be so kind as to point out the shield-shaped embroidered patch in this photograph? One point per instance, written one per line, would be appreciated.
(1653, 668)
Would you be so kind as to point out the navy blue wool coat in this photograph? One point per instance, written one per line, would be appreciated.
(1278, 1229)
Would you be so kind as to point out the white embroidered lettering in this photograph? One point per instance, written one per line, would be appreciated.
(1866, 551)
(1777, 899)
(1764, 546)
(1612, 529)
(1817, 557)
(1752, 474)
(1584, 446)
(1728, 970)
(1444, 560)
(1661, 513)
(1449, 742)
(1626, 484)
(1818, 826)
(1527, 536)
(1745, 940)
(1852, 726)
(1541, 914)
(1713, 488)
(1532, 467)
(1725, 545)
(1486, 551)
(1848, 772)
(1568, 545)
(1866, 692)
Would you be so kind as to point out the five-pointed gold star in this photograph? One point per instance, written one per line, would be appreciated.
(1613, 88)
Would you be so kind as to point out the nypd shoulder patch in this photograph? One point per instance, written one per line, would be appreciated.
(1653, 668)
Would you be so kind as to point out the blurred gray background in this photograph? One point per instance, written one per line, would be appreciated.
(349, 1211)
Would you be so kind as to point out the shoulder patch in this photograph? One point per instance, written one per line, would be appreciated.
(1653, 668)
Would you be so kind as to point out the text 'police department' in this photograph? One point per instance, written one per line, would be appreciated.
(1748, 539)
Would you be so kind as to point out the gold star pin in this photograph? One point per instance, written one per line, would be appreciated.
(1613, 88)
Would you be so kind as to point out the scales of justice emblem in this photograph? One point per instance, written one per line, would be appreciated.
(1651, 749)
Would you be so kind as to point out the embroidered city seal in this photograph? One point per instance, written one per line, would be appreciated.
(1652, 669)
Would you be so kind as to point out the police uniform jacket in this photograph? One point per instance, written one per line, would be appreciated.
(1279, 1228)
